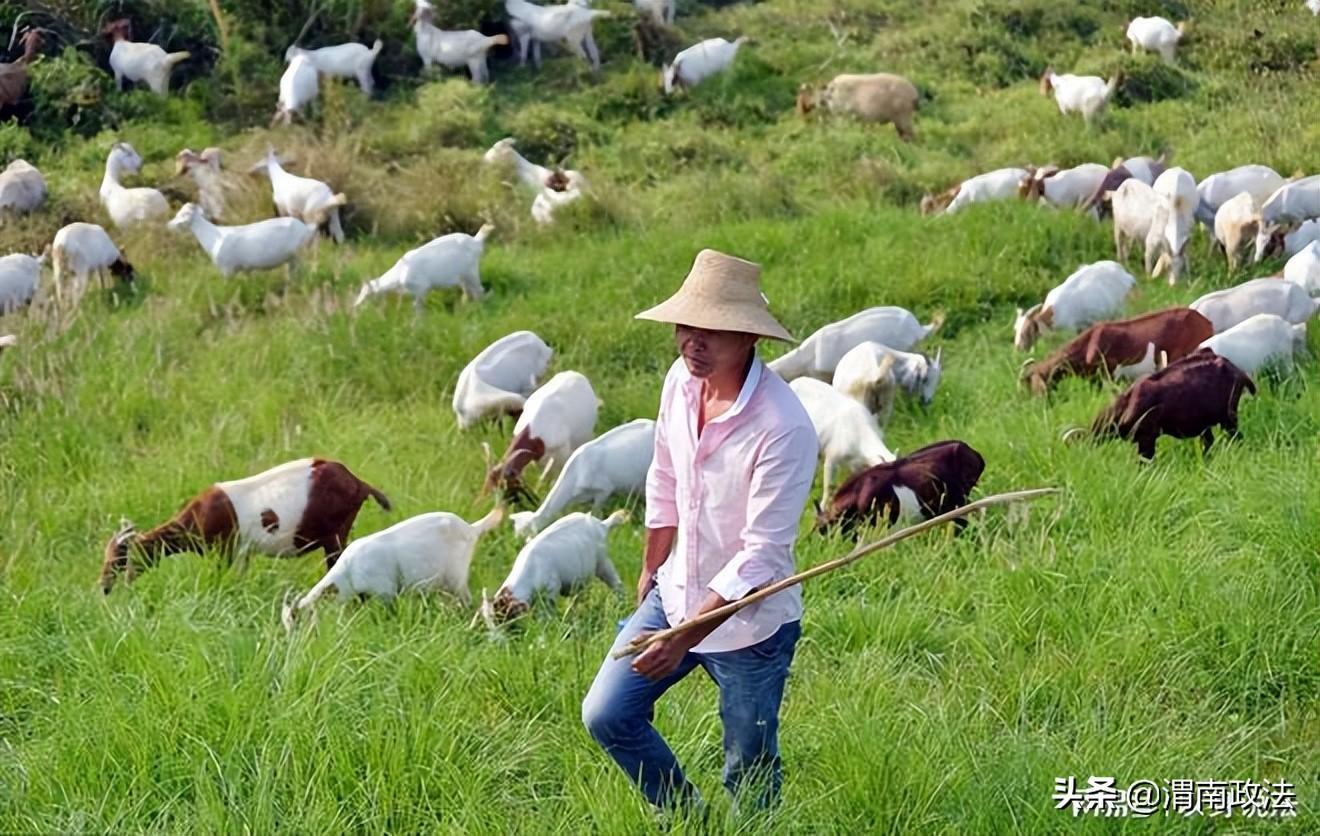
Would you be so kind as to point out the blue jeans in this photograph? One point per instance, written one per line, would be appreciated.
(620, 707)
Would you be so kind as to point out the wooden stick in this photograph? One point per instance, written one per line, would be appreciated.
(640, 643)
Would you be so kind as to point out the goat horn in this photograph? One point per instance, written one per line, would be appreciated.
(1072, 434)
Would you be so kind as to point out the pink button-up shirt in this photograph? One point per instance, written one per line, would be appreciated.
(736, 496)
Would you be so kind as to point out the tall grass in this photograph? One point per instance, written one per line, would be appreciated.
(1153, 622)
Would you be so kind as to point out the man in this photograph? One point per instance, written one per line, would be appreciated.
(735, 454)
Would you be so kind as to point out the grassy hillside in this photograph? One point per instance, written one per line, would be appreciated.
(1153, 622)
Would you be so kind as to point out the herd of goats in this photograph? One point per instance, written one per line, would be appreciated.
(1190, 365)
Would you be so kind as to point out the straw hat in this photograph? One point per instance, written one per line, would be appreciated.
(720, 293)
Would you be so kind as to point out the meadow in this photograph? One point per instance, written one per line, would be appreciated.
(1153, 621)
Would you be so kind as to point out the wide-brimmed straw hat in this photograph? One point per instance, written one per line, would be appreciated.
(720, 293)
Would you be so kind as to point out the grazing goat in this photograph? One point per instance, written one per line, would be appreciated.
(1259, 340)
(351, 60)
(560, 559)
(1171, 224)
(533, 176)
(299, 86)
(499, 379)
(303, 198)
(1289, 240)
(871, 372)
(569, 24)
(1155, 34)
(237, 249)
(1133, 205)
(925, 483)
(662, 12)
(614, 463)
(561, 189)
(1186, 399)
(848, 434)
(14, 75)
(820, 353)
(1260, 181)
(452, 49)
(20, 276)
(877, 98)
(1000, 184)
(1071, 188)
(425, 552)
(1226, 308)
(1145, 169)
(557, 419)
(1304, 269)
(83, 249)
(291, 509)
(699, 62)
(452, 260)
(1126, 348)
(1292, 203)
(204, 169)
(1092, 293)
(1084, 94)
(1236, 222)
(22, 188)
(140, 62)
(129, 206)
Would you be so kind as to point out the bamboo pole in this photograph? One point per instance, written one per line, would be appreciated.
(640, 643)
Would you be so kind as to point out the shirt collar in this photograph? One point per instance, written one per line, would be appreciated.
(692, 386)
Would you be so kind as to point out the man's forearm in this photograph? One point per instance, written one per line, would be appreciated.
(659, 541)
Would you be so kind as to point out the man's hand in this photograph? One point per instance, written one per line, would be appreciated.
(662, 658)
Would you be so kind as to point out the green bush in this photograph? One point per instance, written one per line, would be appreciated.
(1148, 79)
(70, 94)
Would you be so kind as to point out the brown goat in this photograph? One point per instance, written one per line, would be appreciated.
(1112, 347)
(927, 482)
(289, 510)
(14, 75)
(1184, 400)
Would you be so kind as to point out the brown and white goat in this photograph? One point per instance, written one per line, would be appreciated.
(1184, 400)
(1126, 348)
(557, 418)
(289, 510)
(925, 483)
(14, 75)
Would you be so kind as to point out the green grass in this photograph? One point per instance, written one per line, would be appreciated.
(1152, 622)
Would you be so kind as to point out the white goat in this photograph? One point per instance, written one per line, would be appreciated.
(1155, 34)
(1084, 94)
(1133, 204)
(1260, 181)
(1172, 223)
(500, 378)
(1314, 6)
(565, 556)
(1093, 293)
(1292, 239)
(141, 62)
(529, 173)
(425, 552)
(614, 463)
(452, 260)
(1226, 308)
(83, 249)
(22, 188)
(569, 24)
(20, 276)
(1236, 222)
(699, 62)
(849, 435)
(662, 12)
(204, 169)
(557, 419)
(452, 49)
(1000, 184)
(1145, 169)
(351, 60)
(303, 198)
(1293, 203)
(8, 341)
(1304, 269)
(236, 249)
(299, 86)
(871, 373)
(1066, 189)
(550, 200)
(128, 206)
(819, 354)
(1262, 338)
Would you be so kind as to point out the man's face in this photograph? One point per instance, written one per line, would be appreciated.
(712, 352)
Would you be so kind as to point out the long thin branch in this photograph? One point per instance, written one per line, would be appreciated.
(640, 643)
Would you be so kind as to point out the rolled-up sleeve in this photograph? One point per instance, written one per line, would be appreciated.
(661, 503)
(781, 482)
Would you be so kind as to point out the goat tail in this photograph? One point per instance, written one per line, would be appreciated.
(381, 499)
(497, 40)
(484, 232)
(935, 322)
(377, 47)
(491, 521)
(1114, 80)
(175, 57)
(619, 517)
